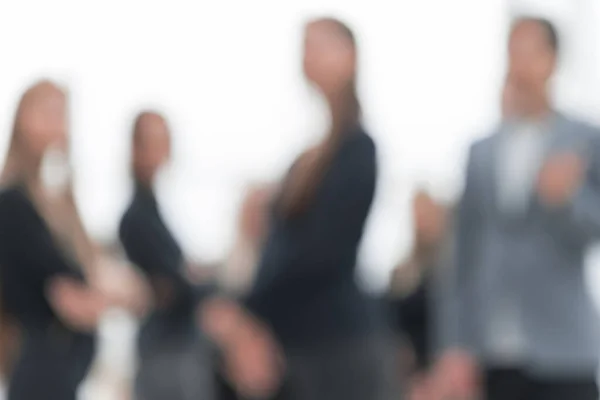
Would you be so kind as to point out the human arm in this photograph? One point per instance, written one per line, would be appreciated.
(251, 358)
(456, 370)
(151, 248)
(569, 189)
(335, 228)
(26, 243)
(305, 177)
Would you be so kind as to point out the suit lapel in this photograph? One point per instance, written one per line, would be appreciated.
(492, 172)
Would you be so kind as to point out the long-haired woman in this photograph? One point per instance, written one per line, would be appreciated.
(305, 290)
(45, 256)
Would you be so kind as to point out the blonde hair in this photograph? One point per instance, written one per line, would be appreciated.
(70, 227)
(13, 167)
(239, 270)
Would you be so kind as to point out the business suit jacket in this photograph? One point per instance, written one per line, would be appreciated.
(537, 257)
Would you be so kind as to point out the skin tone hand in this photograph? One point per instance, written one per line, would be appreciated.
(76, 304)
(560, 178)
(252, 359)
(122, 286)
(456, 375)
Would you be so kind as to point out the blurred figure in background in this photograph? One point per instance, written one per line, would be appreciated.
(45, 256)
(237, 273)
(176, 361)
(9, 343)
(413, 292)
(239, 270)
(528, 213)
(455, 376)
(305, 288)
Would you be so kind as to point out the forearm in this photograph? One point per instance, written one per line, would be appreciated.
(304, 180)
(78, 304)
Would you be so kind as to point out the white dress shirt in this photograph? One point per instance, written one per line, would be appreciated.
(519, 161)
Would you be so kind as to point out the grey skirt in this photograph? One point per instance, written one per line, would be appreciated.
(177, 370)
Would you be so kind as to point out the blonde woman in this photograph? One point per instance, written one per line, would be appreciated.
(46, 259)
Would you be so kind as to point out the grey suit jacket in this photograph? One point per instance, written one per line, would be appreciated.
(536, 257)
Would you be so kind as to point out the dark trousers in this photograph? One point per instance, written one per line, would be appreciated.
(514, 384)
(50, 366)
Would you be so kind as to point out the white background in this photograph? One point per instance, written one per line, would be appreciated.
(227, 74)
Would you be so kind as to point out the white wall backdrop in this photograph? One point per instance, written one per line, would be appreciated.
(227, 74)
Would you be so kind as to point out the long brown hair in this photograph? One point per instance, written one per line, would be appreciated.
(346, 108)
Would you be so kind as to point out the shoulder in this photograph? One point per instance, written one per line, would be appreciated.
(477, 147)
(364, 138)
(579, 126)
(131, 219)
(486, 140)
(361, 145)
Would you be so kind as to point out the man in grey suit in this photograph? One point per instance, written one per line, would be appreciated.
(530, 209)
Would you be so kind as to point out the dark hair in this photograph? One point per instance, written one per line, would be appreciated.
(346, 110)
(550, 29)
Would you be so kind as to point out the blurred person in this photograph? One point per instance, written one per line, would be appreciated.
(414, 291)
(45, 256)
(176, 360)
(239, 270)
(237, 273)
(305, 288)
(528, 213)
(455, 375)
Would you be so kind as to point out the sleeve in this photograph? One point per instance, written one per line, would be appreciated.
(342, 221)
(355, 188)
(412, 310)
(458, 288)
(579, 219)
(147, 247)
(340, 227)
(26, 243)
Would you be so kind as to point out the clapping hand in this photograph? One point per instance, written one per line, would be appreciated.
(252, 359)
(456, 376)
(560, 178)
(122, 286)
